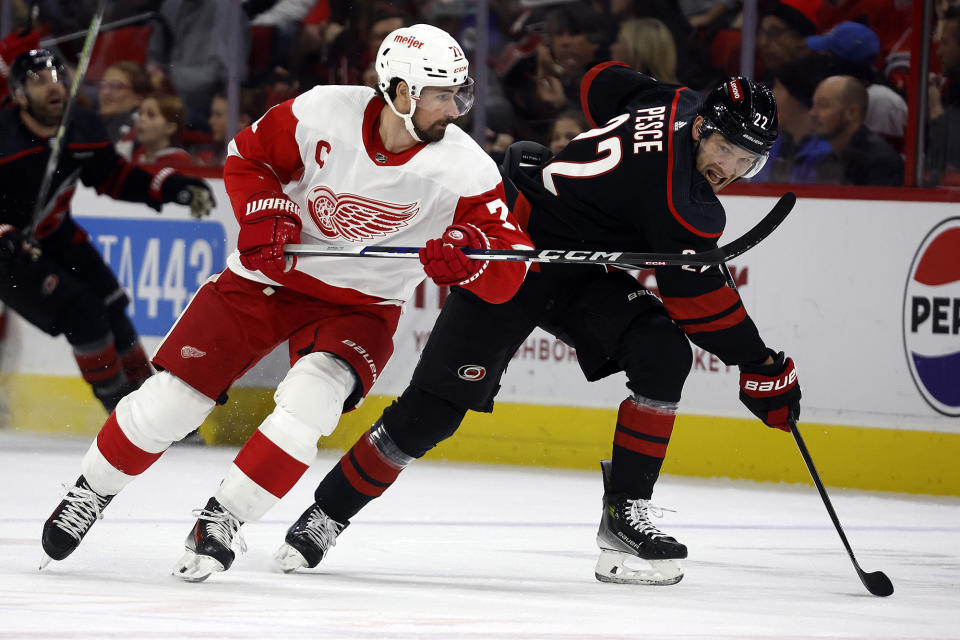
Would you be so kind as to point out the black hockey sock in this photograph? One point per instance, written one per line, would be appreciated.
(363, 473)
(135, 365)
(100, 367)
(639, 446)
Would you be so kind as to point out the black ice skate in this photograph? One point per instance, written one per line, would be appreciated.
(307, 540)
(632, 549)
(70, 521)
(209, 543)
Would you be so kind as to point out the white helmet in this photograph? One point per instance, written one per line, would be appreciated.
(423, 56)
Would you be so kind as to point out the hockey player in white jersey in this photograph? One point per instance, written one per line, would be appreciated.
(335, 165)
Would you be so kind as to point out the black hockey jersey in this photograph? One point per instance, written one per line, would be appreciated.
(87, 155)
(630, 184)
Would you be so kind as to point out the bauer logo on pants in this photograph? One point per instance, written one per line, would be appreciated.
(931, 318)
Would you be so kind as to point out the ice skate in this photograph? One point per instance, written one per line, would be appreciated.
(308, 540)
(208, 545)
(632, 549)
(71, 520)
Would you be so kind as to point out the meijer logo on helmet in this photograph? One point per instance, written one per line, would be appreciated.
(410, 41)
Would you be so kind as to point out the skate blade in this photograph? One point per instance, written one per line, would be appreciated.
(194, 567)
(287, 559)
(44, 561)
(624, 568)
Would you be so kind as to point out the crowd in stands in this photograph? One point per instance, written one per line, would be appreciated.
(839, 69)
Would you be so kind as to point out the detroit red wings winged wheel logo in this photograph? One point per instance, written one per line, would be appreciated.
(355, 218)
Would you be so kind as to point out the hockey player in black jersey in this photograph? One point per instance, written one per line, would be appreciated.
(643, 179)
(50, 273)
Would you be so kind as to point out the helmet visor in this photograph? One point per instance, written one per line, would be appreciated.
(450, 99)
(45, 76)
(746, 162)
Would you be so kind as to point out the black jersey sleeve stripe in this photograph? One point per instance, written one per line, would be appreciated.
(585, 88)
(692, 322)
(671, 131)
(21, 154)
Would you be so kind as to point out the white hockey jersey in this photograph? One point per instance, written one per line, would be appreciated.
(323, 151)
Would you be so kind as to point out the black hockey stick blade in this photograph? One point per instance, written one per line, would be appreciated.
(876, 582)
(627, 259)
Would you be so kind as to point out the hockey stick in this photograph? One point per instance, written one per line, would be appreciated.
(877, 582)
(626, 259)
(57, 142)
(107, 26)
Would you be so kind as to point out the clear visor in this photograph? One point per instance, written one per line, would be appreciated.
(50, 75)
(757, 165)
(746, 163)
(457, 99)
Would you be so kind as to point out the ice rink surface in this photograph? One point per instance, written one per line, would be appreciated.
(476, 552)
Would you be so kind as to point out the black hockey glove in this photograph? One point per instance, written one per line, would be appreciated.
(188, 191)
(771, 391)
(12, 245)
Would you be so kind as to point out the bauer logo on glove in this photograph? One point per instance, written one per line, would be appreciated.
(771, 386)
(771, 391)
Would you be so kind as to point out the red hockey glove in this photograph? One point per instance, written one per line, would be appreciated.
(13, 45)
(270, 223)
(444, 261)
(771, 391)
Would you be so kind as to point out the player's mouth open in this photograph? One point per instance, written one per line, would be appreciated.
(715, 177)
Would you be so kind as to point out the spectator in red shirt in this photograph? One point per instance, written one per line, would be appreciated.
(159, 123)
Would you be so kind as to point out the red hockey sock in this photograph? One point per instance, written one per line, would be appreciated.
(122, 454)
(639, 446)
(98, 363)
(135, 365)
(268, 465)
(367, 469)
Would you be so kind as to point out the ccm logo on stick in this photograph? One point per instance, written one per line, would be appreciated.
(586, 256)
(771, 385)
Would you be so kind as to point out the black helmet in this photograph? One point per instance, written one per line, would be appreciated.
(745, 112)
(33, 62)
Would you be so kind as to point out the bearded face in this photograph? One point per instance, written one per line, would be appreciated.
(44, 97)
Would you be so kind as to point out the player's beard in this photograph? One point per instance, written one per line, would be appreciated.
(434, 133)
(44, 112)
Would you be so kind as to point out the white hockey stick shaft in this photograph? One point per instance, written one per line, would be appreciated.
(626, 259)
(57, 142)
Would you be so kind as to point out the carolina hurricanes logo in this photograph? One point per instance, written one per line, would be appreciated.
(471, 372)
(49, 284)
(355, 218)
